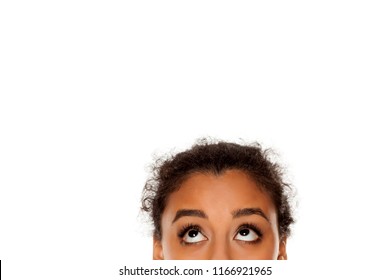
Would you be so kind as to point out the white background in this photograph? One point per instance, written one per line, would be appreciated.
(90, 90)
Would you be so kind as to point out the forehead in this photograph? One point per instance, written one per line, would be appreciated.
(218, 194)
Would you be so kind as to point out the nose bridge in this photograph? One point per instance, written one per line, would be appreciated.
(220, 250)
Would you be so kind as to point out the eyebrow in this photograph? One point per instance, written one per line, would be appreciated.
(249, 211)
(189, 212)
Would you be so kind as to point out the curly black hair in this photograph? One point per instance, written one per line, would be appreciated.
(216, 157)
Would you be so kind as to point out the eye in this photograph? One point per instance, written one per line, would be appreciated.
(191, 234)
(248, 233)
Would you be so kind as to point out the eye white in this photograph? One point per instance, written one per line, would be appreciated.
(194, 236)
(246, 234)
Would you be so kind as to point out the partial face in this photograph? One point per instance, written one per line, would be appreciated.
(219, 217)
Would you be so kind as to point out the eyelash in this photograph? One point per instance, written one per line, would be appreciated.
(186, 228)
(251, 226)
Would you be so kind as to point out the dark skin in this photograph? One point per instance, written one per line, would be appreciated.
(223, 217)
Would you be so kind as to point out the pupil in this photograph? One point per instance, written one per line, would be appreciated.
(244, 232)
(193, 233)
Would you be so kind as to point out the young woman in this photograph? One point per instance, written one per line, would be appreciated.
(218, 200)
